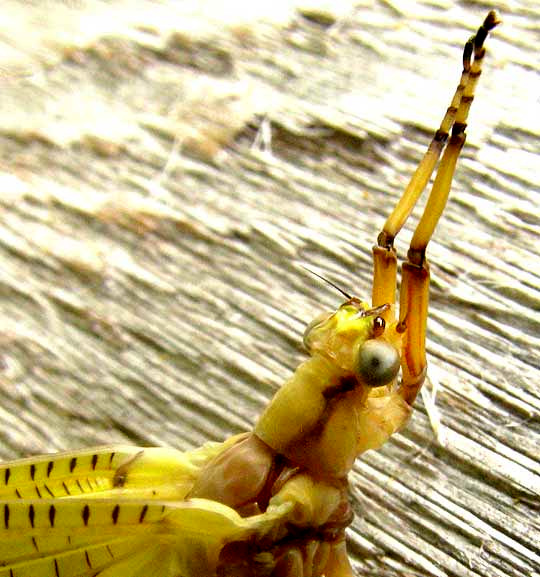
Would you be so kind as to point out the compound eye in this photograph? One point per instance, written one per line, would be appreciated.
(378, 362)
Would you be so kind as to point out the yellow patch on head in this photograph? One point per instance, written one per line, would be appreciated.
(336, 335)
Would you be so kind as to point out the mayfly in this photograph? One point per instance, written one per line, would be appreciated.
(272, 502)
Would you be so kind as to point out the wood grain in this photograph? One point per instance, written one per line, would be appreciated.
(166, 169)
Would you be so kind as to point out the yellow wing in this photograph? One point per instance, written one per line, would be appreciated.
(140, 472)
(115, 512)
(79, 537)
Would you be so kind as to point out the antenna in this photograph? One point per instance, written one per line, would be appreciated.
(346, 295)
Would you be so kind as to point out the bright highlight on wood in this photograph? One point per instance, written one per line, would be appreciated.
(272, 502)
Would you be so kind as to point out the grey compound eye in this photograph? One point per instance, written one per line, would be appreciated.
(378, 362)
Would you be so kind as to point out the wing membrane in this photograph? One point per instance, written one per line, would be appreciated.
(149, 472)
(91, 537)
(62, 474)
(117, 538)
(113, 512)
(118, 557)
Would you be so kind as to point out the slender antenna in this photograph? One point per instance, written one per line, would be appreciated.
(346, 295)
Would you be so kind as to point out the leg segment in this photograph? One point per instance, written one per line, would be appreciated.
(415, 272)
(384, 255)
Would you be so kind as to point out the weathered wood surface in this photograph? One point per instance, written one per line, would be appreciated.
(167, 167)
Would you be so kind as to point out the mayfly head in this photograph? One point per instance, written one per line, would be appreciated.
(343, 400)
(355, 338)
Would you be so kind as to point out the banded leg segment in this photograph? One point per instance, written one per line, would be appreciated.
(425, 169)
(443, 181)
(384, 256)
(415, 272)
(414, 295)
